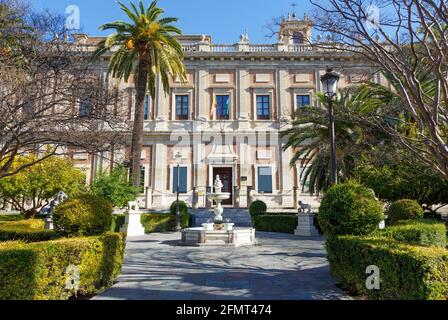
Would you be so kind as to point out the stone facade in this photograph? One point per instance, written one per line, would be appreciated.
(264, 85)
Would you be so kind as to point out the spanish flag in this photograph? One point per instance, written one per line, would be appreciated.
(213, 108)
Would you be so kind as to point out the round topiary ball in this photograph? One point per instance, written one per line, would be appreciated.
(257, 208)
(349, 209)
(404, 210)
(183, 208)
(85, 215)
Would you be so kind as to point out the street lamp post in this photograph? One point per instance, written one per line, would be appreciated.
(330, 84)
(178, 158)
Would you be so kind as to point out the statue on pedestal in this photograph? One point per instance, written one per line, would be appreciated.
(133, 225)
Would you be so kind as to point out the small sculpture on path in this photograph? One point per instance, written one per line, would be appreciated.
(133, 206)
(58, 199)
(304, 208)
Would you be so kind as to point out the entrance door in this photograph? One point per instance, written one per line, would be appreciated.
(225, 174)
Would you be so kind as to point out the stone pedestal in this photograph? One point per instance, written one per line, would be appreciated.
(49, 223)
(306, 226)
(133, 225)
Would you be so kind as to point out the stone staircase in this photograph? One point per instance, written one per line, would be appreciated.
(240, 217)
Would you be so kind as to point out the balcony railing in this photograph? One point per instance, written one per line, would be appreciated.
(265, 48)
(255, 48)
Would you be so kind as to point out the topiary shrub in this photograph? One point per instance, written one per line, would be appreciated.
(86, 215)
(404, 210)
(349, 209)
(183, 208)
(258, 207)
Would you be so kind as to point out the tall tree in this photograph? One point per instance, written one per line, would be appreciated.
(402, 38)
(308, 137)
(146, 47)
(44, 79)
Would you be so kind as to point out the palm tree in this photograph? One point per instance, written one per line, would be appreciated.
(146, 48)
(309, 138)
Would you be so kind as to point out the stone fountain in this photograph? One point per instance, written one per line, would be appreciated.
(218, 232)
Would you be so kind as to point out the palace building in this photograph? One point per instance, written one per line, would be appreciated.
(227, 118)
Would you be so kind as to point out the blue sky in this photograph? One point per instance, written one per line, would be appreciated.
(224, 20)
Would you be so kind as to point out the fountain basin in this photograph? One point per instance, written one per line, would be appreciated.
(228, 236)
(218, 196)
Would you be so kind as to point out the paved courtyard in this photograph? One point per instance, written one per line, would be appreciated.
(281, 267)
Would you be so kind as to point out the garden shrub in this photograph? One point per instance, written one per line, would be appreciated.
(404, 210)
(424, 233)
(183, 207)
(11, 217)
(407, 272)
(38, 271)
(154, 222)
(83, 216)
(275, 223)
(349, 208)
(258, 207)
(25, 230)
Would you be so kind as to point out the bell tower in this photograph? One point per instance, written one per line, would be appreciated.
(295, 31)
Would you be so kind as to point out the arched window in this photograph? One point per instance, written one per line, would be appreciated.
(297, 38)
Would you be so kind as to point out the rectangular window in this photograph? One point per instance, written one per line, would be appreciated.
(223, 102)
(303, 101)
(147, 105)
(182, 179)
(142, 179)
(85, 107)
(263, 107)
(265, 180)
(182, 106)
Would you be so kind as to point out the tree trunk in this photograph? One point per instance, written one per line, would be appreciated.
(137, 131)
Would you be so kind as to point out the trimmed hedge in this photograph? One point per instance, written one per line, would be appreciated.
(275, 223)
(404, 210)
(18, 217)
(406, 272)
(153, 222)
(11, 217)
(258, 207)
(423, 233)
(86, 215)
(38, 271)
(25, 230)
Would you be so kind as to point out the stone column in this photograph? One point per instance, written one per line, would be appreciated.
(160, 164)
(200, 171)
(162, 107)
(284, 93)
(148, 198)
(203, 101)
(243, 98)
(286, 177)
